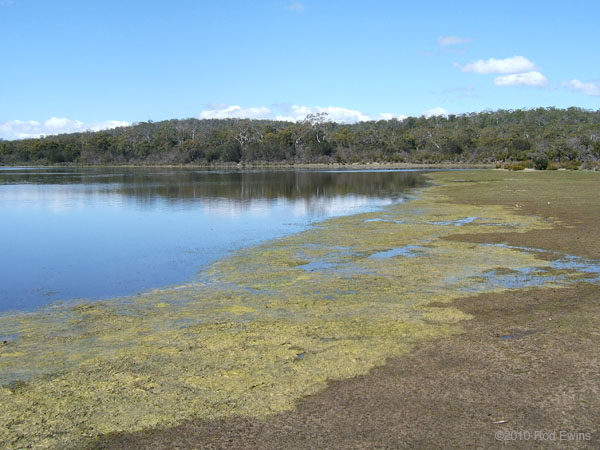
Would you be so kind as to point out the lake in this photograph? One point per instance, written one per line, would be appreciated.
(94, 233)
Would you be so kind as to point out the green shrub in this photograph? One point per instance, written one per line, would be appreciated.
(571, 165)
(540, 161)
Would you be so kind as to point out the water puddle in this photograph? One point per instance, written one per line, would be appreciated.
(319, 266)
(517, 335)
(570, 262)
(376, 219)
(5, 339)
(563, 261)
(409, 251)
(379, 219)
(562, 270)
(516, 278)
(456, 223)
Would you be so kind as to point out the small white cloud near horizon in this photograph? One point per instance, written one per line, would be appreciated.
(532, 78)
(293, 113)
(296, 7)
(390, 116)
(584, 88)
(236, 112)
(19, 129)
(514, 64)
(337, 114)
(437, 111)
(452, 40)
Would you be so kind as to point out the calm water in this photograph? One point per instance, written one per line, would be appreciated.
(91, 233)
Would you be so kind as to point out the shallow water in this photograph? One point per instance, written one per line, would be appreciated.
(407, 250)
(93, 233)
(456, 223)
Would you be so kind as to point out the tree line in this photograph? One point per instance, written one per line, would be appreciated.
(540, 137)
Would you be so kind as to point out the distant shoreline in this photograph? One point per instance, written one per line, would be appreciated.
(374, 165)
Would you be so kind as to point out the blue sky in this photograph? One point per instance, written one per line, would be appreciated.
(71, 65)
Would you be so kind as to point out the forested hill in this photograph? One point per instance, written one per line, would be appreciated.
(537, 137)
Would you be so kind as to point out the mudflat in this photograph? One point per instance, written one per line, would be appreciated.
(521, 371)
(469, 311)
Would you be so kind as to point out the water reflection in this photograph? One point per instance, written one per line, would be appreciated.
(149, 185)
(92, 233)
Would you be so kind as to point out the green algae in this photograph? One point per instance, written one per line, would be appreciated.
(231, 343)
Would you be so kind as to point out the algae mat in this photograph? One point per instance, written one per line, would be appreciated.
(264, 327)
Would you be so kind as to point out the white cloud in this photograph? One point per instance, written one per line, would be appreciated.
(296, 7)
(452, 40)
(334, 114)
(234, 111)
(532, 78)
(585, 88)
(293, 113)
(438, 111)
(390, 116)
(19, 129)
(515, 64)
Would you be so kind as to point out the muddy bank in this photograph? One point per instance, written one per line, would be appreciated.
(569, 199)
(452, 393)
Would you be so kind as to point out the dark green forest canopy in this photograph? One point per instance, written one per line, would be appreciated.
(543, 137)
